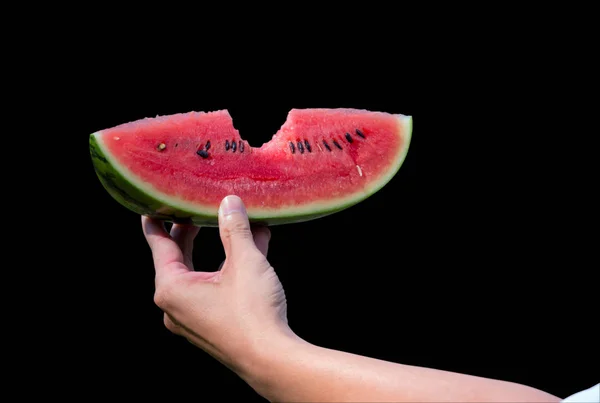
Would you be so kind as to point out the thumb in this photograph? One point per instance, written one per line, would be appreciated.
(234, 227)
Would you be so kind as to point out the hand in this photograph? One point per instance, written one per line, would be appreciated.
(229, 313)
(238, 315)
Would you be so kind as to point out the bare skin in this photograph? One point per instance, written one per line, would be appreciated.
(238, 315)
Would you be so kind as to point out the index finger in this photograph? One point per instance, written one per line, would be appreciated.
(168, 257)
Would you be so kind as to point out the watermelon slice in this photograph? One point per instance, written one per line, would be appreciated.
(179, 167)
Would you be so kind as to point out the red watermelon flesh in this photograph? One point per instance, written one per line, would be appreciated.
(319, 162)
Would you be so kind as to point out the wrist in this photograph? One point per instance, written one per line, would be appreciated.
(260, 366)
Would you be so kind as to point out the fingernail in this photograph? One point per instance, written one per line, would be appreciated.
(232, 204)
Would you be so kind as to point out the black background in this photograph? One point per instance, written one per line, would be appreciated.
(453, 275)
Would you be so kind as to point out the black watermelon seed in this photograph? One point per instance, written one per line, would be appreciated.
(227, 145)
(307, 145)
(233, 146)
(360, 133)
(337, 145)
(300, 147)
(207, 146)
(292, 147)
(326, 145)
(348, 138)
(202, 153)
(241, 146)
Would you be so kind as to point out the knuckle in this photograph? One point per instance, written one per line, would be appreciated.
(254, 257)
(238, 228)
(161, 298)
(164, 295)
(262, 231)
(170, 325)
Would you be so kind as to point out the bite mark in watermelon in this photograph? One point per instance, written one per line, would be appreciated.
(179, 167)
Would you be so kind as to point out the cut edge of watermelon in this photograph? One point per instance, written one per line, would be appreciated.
(406, 123)
(143, 198)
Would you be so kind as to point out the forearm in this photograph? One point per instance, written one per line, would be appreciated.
(293, 370)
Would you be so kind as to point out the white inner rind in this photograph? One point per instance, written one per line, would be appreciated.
(405, 130)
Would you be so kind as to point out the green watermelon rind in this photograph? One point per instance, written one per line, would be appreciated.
(142, 199)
